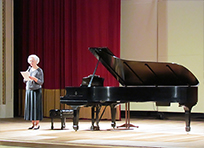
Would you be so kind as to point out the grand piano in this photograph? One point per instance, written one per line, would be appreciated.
(140, 82)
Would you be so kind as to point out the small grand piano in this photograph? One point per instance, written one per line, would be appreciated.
(141, 82)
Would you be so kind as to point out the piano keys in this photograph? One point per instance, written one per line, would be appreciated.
(141, 82)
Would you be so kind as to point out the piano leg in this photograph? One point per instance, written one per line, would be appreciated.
(187, 117)
(76, 117)
(52, 126)
(98, 108)
(63, 122)
(113, 114)
(95, 111)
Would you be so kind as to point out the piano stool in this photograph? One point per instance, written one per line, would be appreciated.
(62, 114)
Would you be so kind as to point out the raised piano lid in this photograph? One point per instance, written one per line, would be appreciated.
(130, 73)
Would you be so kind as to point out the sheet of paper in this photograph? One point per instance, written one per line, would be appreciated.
(25, 75)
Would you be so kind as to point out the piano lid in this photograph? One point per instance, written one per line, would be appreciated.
(130, 73)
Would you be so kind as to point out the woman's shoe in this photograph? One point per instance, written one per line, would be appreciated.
(31, 127)
(37, 127)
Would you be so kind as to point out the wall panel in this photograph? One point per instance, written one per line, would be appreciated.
(164, 31)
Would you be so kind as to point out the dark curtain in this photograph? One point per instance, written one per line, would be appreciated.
(60, 32)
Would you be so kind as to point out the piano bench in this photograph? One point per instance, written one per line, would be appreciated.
(62, 114)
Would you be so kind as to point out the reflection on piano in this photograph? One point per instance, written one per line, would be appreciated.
(142, 82)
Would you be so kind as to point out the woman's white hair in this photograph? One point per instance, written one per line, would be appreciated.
(37, 59)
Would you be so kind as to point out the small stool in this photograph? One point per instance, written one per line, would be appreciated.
(62, 114)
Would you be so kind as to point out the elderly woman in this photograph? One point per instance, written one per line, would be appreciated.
(33, 96)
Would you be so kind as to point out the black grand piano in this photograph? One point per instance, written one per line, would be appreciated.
(141, 82)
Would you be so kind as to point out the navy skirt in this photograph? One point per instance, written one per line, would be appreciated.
(33, 105)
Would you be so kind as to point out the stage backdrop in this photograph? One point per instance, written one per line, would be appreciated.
(60, 32)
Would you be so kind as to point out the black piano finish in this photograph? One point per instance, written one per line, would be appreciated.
(132, 73)
(79, 95)
(142, 82)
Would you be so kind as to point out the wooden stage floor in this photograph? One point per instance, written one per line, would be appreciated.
(152, 133)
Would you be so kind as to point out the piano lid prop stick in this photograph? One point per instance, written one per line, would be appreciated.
(93, 73)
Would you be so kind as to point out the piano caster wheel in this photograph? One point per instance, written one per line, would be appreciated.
(75, 127)
(92, 128)
(188, 129)
(95, 128)
(113, 124)
(63, 127)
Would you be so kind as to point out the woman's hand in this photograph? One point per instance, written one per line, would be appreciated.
(33, 78)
